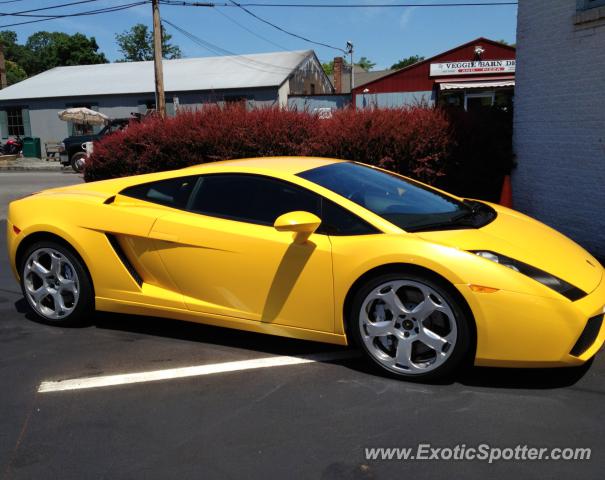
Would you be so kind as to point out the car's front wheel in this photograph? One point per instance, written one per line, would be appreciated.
(411, 326)
(55, 284)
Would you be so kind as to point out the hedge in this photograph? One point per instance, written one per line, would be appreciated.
(414, 140)
(463, 152)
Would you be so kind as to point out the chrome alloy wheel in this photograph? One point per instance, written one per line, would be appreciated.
(407, 327)
(51, 283)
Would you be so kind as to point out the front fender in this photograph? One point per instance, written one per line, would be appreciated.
(352, 258)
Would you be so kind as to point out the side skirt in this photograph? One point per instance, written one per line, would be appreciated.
(133, 308)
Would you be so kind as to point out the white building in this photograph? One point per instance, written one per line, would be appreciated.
(29, 108)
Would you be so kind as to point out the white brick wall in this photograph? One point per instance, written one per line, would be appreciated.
(559, 134)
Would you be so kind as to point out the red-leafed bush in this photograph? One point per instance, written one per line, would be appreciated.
(415, 141)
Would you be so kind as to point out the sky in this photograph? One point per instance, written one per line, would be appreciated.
(384, 35)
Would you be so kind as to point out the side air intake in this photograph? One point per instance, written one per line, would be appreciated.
(588, 336)
(124, 259)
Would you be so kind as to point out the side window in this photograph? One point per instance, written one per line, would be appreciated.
(339, 221)
(173, 192)
(250, 198)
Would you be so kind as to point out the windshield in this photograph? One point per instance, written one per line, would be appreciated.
(405, 203)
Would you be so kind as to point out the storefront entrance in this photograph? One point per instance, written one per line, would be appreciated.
(477, 99)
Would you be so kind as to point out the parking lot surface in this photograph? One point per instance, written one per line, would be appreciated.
(295, 420)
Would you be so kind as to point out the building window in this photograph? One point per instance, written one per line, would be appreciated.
(587, 4)
(244, 101)
(14, 116)
(478, 101)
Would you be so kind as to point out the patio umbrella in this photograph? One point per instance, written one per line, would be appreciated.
(83, 116)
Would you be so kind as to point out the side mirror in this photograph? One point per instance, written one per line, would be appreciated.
(302, 224)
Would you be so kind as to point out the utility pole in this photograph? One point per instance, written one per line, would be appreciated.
(160, 98)
(352, 77)
(2, 67)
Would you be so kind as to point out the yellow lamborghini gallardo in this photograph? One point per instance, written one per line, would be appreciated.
(317, 249)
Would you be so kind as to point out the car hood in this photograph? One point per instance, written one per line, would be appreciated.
(523, 238)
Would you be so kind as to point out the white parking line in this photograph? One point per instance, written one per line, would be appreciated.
(194, 371)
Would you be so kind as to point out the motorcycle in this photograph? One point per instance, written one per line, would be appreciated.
(13, 146)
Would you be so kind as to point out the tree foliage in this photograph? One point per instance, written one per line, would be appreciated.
(364, 63)
(54, 49)
(406, 62)
(14, 73)
(328, 67)
(136, 44)
(45, 50)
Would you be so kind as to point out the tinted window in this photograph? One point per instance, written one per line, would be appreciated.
(172, 193)
(250, 198)
(336, 220)
(405, 203)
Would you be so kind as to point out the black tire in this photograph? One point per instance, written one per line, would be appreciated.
(79, 299)
(77, 161)
(463, 347)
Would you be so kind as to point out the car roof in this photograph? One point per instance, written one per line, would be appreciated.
(267, 165)
(280, 167)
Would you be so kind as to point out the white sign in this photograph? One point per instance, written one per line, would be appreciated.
(470, 68)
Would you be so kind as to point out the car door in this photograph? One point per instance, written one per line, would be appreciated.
(126, 221)
(227, 258)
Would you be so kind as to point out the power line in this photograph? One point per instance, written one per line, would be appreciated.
(287, 32)
(48, 8)
(242, 7)
(232, 20)
(76, 14)
(237, 58)
(80, 14)
(340, 5)
(376, 5)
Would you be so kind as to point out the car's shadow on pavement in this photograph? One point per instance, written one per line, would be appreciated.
(488, 377)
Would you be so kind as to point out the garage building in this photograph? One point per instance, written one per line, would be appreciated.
(30, 107)
(480, 73)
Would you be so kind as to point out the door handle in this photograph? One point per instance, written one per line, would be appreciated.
(166, 237)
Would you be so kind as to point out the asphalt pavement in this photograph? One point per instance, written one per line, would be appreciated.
(17, 184)
(301, 421)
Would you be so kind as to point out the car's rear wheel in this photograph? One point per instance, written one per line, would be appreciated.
(77, 161)
(55, 284)
(411, 326)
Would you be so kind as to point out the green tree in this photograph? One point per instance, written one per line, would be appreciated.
(328, 67)
(13, 51)
(506, 43)
(46, 50)
(366, 64)
(136, 44)
(14, 73)
(406, 62)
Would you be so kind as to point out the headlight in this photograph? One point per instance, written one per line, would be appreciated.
(61, 147)
(546, 279)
